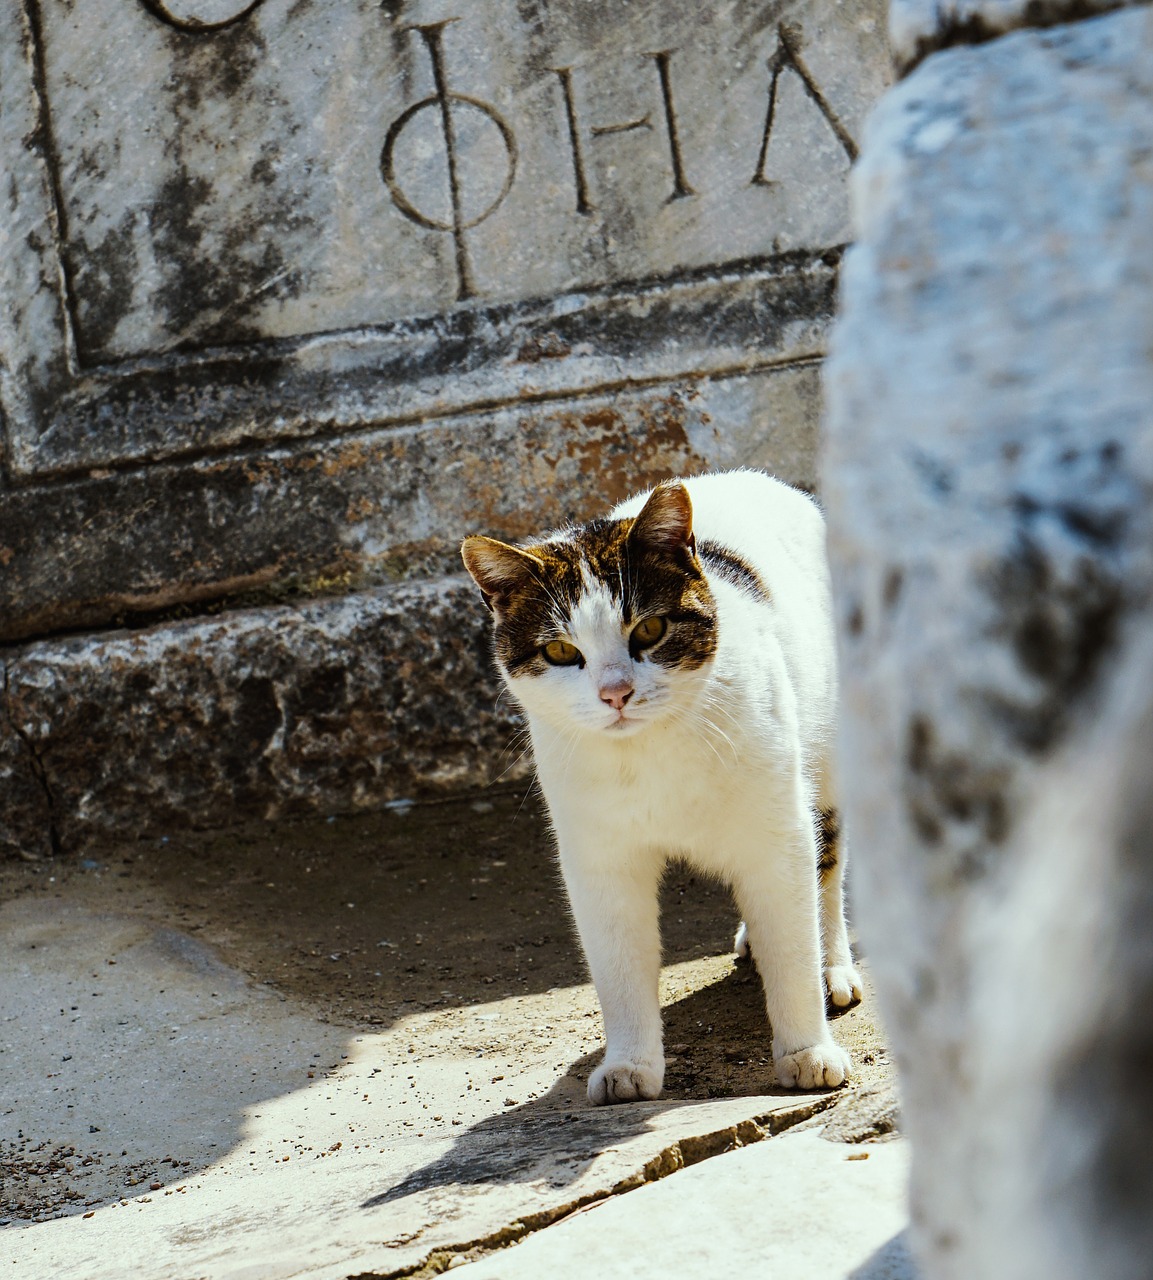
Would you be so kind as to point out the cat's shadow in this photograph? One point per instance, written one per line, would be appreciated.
(718, 1041)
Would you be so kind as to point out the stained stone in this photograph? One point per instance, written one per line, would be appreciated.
(989, 482)
(385, 505)
(297, 223)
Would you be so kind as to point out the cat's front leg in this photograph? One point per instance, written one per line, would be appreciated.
(778, 898)
(614, 903)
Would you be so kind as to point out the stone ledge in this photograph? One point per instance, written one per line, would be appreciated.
(918, 28)
(333, 706)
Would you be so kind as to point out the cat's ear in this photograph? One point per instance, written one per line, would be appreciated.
(500, 571)
(666, 520)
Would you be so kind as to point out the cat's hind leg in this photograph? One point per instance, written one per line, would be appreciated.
(778, 899)
(842, 981)
(741, 947)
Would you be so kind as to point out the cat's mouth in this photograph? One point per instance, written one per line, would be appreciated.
(624, 724)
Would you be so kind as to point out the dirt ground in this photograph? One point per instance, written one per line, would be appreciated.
(425, 908)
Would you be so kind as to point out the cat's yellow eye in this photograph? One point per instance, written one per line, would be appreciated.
(562, 654)
(647, 632)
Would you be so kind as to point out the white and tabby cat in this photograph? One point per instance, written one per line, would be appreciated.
(675, 663)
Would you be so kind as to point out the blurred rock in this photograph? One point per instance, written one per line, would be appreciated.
(27, 822)
(989, 476)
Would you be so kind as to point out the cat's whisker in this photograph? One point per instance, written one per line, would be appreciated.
(712, 705)
(523, 750)
(505, 694)
(534, 785)
(682, 716)
(570, 753)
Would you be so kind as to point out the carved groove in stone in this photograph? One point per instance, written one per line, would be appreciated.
(443, 101)
(681, 187)
(583, 204)
(161, 11)
(787, 56)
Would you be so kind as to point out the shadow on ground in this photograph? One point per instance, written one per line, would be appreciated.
(531, 1142)
(169, 988)
(375, 916)
(127, 975)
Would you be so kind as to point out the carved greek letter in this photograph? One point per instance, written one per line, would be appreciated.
(596, 132)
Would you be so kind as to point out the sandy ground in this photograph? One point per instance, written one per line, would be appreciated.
(164, 998)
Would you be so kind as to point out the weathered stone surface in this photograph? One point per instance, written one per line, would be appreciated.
(989, 476)
(1062, 1087)
(317, 177)
(384, 505)
(286, 289)
(919, 27)
(339, 704)
(303, 294)
(762, 1211)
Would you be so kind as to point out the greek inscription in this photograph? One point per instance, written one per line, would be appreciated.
(787, 57)
(435, 178)
(446, 102)
(681, 187)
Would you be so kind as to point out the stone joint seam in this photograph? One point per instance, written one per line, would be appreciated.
(678, 1155)
(36, 765)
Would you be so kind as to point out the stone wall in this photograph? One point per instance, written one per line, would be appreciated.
(989, 478)
(296, 294)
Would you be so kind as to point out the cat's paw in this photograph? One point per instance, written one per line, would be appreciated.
(843, 983)
(625, 1082)
(741, 942)
(824, 1066)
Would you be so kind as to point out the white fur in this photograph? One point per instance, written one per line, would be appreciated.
(723, 766)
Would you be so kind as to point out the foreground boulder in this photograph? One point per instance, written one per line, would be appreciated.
(988, 474)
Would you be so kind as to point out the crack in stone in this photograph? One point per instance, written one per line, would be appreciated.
(36, 766)
(678, 1155)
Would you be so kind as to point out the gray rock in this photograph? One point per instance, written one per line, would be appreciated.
(989, 475)
(27, 821)
(713, 1219)
(919, 27)
(867, 1115)
(338, 704)
(1060, 979)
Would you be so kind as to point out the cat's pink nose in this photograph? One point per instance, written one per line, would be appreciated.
(616, 695)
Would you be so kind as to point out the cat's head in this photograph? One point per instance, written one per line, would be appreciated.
(606, 627)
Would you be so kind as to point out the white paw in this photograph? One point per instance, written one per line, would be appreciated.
(843, 984)
(741, 942)
(625, 1082)
(824, 1066)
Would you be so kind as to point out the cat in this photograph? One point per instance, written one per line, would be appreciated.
(675, 663)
